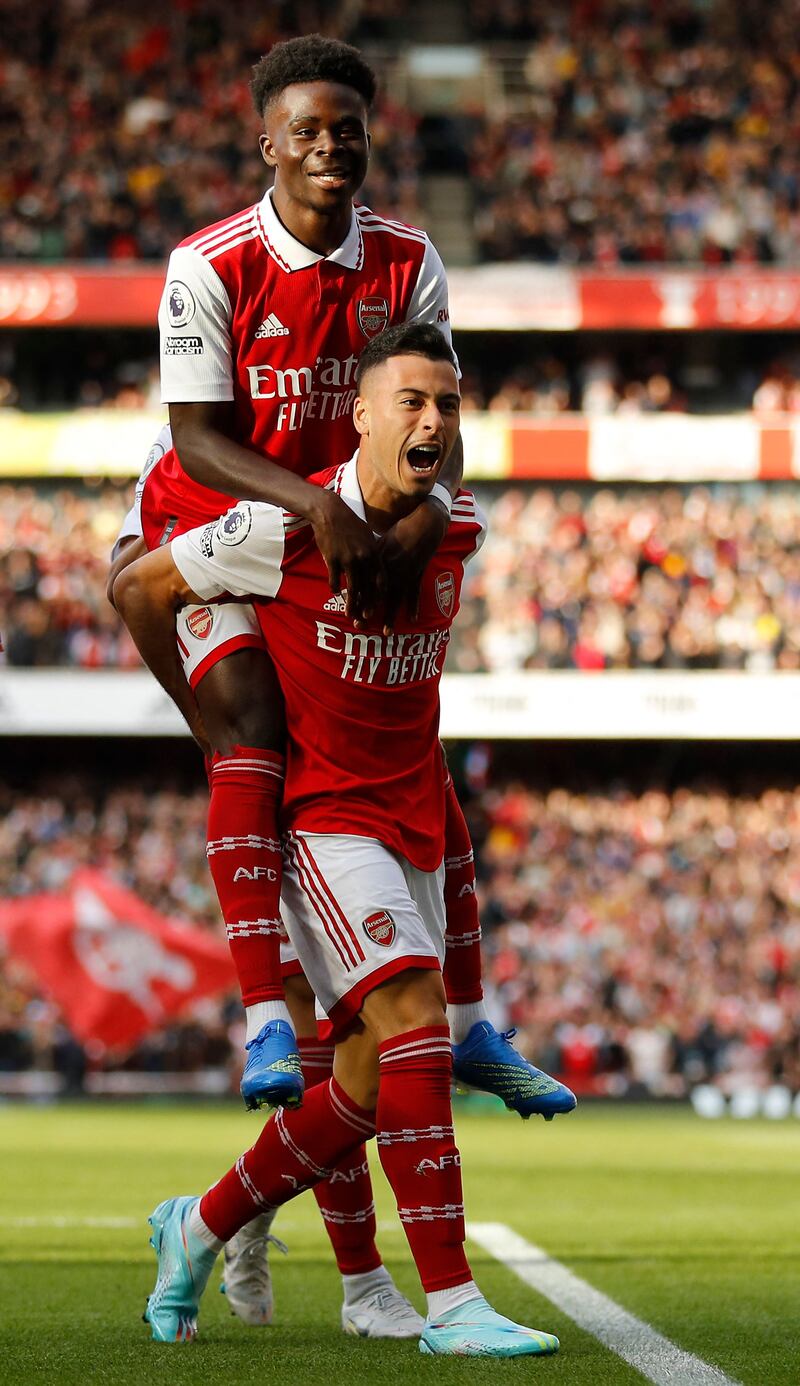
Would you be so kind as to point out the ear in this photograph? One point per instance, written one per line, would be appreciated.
(361, 416)
(267, 150)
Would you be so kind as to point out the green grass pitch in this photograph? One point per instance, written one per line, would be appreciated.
(691, 1225)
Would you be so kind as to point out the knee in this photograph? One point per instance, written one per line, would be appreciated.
(414, 1000)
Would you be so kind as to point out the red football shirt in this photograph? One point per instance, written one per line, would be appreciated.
(251, 315)
(362, 708)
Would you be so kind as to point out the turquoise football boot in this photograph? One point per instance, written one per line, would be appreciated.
(184, 1265)
(272, 1075)
(474, 1329)
(487, 1059)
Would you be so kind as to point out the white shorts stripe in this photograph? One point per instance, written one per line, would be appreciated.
(308, 892)
(327, 902)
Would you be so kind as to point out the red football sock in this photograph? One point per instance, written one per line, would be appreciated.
(345, 1199)
(462, 963)
(244, 857)
(294, 1151)
(419, 1154)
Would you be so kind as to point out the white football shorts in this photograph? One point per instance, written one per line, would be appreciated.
(356, 915)
(206, 634)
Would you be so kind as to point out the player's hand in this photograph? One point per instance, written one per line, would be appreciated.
(406, 550)
(351, 555)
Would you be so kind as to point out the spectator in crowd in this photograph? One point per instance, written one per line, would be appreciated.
(643, 942)
(623, 578)
(120, 129)
(640, 134)
(704, 578)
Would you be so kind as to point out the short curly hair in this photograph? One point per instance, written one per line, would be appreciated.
(310, 59)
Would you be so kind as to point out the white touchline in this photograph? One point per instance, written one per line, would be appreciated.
(658, 1359)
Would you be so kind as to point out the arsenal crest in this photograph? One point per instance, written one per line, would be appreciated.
(373, 315)
(380, 928)
(200, 622)
(446, 593)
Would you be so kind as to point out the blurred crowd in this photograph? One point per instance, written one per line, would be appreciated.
(588, 578)
(642, 578)
(642, 133)
(649, 941)
(55, 544)
(121, 130)
(641, 942)
(626, 133)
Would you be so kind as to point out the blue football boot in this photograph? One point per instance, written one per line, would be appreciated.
(487, 1059)
(184, 1265)
(272, 1076)
(475, 1329)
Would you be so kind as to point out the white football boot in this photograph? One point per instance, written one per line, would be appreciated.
(246, 1279)
(379, 1310)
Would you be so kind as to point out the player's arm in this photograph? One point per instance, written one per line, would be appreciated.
(211, 457)
(407, 548)
(147, 593)
(197, 383)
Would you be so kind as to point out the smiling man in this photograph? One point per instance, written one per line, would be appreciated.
(364, 823)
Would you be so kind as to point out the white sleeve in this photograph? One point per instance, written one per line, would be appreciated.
(132, 524)
(429, 301)
(240, 554)
(480, 517)
(194, 322)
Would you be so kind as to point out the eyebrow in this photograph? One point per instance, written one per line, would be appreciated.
(415, 390)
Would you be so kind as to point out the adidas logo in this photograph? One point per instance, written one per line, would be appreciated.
(272, 327)
(338, 602)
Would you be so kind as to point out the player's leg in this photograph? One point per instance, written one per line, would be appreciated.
(373, 1307)
(294, 1151)
(241, 704)
(482, 1056)
(377, 944)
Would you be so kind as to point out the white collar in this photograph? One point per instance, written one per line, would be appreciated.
(292, 255)
(350, 487)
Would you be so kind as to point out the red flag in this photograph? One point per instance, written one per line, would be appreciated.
(116, 967)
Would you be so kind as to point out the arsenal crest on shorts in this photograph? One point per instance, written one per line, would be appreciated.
(200, 622)
(380, 928)
(373, 315)
(446, 593)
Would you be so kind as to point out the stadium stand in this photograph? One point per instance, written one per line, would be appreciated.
(603, 145)
(643, 942)
(624, 578)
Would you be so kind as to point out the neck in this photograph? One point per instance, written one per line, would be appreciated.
(383, 507)
(322, 232)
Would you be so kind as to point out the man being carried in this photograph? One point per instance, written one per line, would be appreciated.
(364, 816)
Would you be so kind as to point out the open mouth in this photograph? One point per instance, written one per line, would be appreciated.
(423, 457)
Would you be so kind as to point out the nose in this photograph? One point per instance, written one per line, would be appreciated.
(432, 420)
(327, 143)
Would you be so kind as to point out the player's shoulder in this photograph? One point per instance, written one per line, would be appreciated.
(382, 230)
(224, 236)
(330, 477)
(467, 520)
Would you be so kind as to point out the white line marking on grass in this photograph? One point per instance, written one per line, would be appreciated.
(658, 1359)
